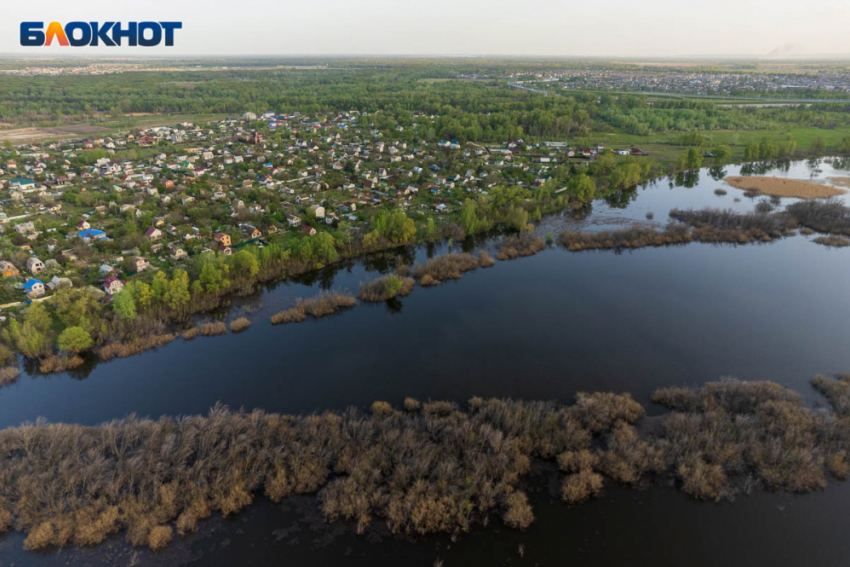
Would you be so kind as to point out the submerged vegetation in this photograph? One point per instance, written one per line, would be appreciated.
(325, 303)
(240, 324)
(430, 467)
(446, 267)
(724, 226)
(523, 244)
(385, 288)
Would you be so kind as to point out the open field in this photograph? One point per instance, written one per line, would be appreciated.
(22, 135)
(778, 187)
(109, 126)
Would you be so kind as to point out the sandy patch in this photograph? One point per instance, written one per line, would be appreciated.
(840, 181)
(784, 187)
(31, 134)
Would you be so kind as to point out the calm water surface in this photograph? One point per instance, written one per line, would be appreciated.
(543, 327)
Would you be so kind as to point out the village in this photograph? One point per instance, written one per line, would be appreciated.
(97, 211)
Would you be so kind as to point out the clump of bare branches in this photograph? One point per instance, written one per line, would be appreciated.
(141, 344)
(636, 236)
(385, 288)
(832, 241)
(523, 244)
(57, 363)
(445, 267)
(326, 303)
(240, 324)
(205, 330)
(434, 467)
(8, 375)
(829, 216)
(484, 260)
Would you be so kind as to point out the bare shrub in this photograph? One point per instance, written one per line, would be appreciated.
(8, 375)
(428, 281)
(518, 513)
(433, 468)
(600, 410)
(294, 315)
(636, 236)
(326, 303)
(382, 408)
(56, 363)
(832, 241)
(385, 288)
(123, 350)
(445, 267)
(484, 260)
(523, 244)
(702, 480)
(160, 537)
(239, 325)
(575, 461)
(581, 486)
(829, 216)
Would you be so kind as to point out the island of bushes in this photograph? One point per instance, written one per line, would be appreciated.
(424, 468)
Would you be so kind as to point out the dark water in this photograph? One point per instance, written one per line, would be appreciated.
(543, 327)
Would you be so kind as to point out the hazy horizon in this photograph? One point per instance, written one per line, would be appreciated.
(656, 29)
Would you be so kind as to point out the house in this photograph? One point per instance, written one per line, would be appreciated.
(8, 269)
(222, 239)
(83, 225)
(90, 235)
(34, 288)
(293, 220)
(21, 183)
(34, 265)
(153, 233)
(112, 285)
(308, 230)
(179, 254)
(59, 283)
(317, 211)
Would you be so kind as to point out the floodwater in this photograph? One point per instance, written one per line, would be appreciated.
(543, 327)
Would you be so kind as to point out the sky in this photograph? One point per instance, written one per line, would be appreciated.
(563, 28)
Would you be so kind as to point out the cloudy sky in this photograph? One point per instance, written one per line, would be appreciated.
(621, 28)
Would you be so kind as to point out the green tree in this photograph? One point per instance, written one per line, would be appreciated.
(178, 291)
(819, 146)
(74, 339)
(124, 305)
(582, 186)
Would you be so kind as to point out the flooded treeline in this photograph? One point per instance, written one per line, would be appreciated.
(422, 468)
(765, 224)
